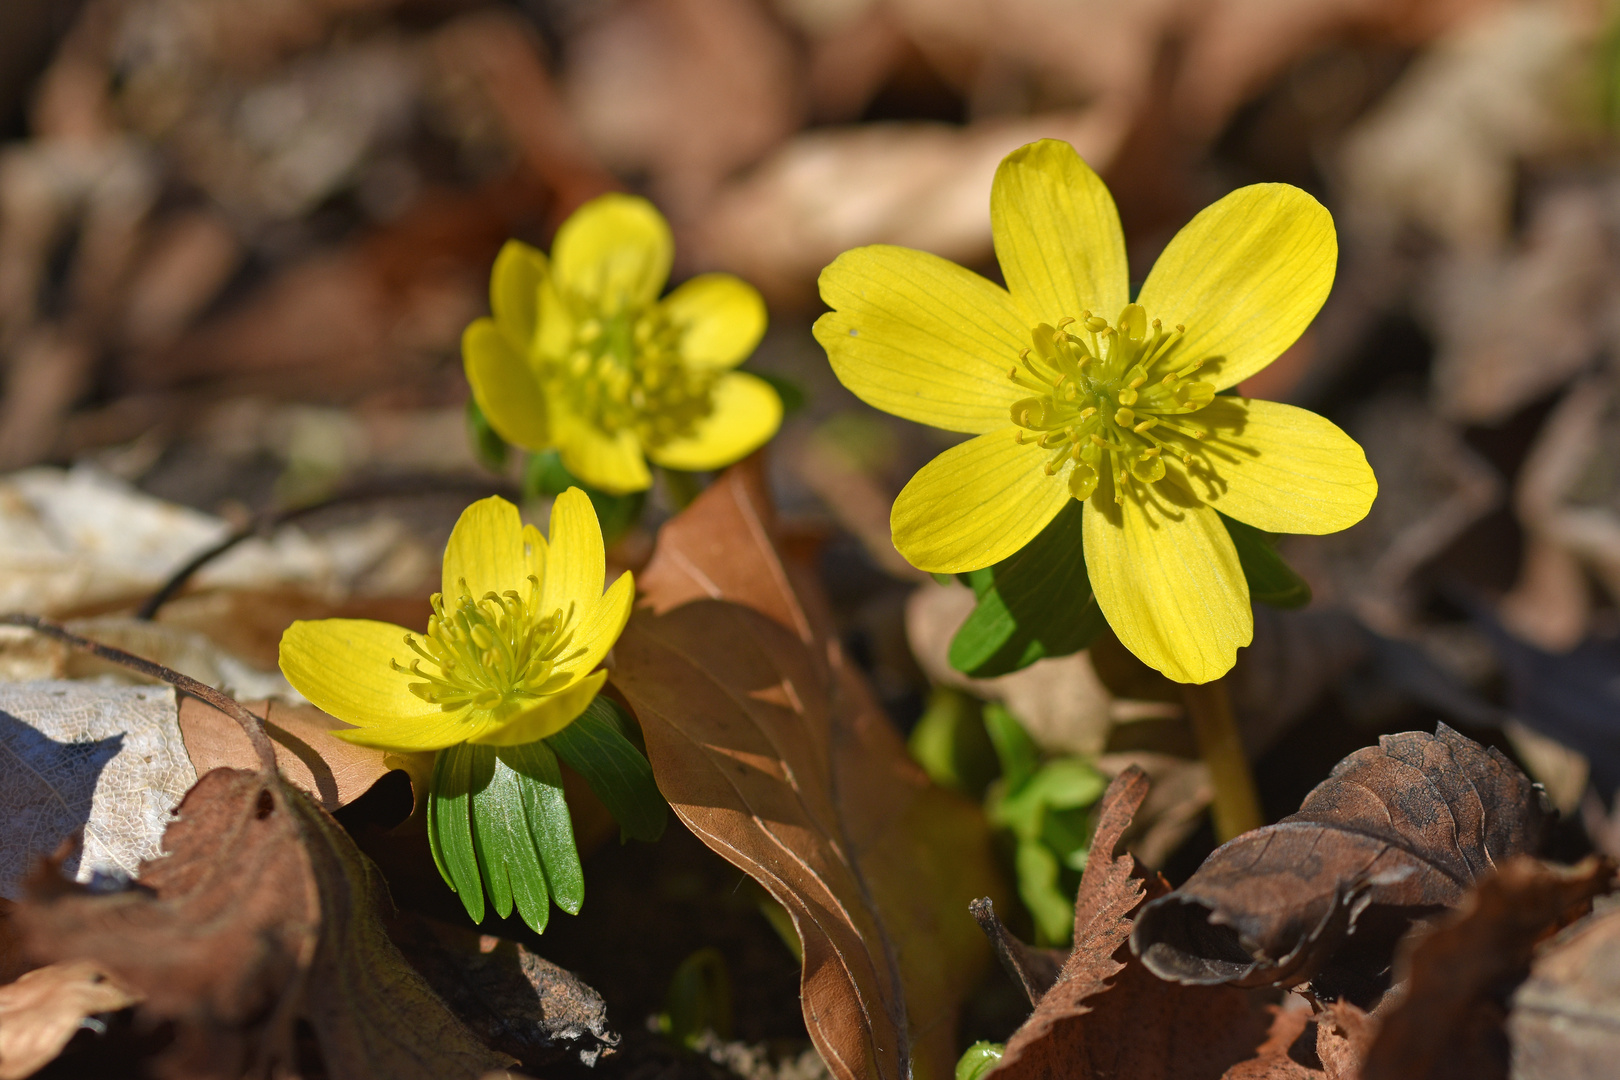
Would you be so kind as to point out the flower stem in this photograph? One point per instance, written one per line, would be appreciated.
(1236, 808)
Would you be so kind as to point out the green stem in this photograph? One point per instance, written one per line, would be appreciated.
(1236, 808)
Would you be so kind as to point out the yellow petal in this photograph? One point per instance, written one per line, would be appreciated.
(548, 716)
(922, 338)
(721, 318)
(1057, 235)
(976, 503)
(601, 623)
(485, 550)
(505, 386)
(535, 552)
(1168, 580)
(614, 251)
(614, 464)
(554, 336)
(342, 666)
(746, 414)
(1279, 468)
(576, 563)
(418, 733)
(514, 291)
(1245, 277)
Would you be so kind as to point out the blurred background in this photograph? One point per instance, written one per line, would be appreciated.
(239, 240)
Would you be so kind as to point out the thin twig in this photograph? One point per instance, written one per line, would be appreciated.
(252, 725)
(264, 521)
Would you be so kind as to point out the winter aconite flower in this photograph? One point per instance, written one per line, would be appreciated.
(583, 356)
(1072, 391)
(510, 650)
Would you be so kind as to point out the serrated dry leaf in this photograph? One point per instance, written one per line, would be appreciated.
(40, 1012)
(1397, 833)
(1106, 1015)
(1455, 976)
(769, 746)
(261, 914)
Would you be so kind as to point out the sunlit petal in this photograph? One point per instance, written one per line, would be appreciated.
(1057, 235)
(611, 463)
(576, 561)
(547, 716)
(614, 251)
(1168, 580)
(343, 666)
(922, 338)
(1277, 467)
(485, 550)
(505, 386)
(721, 318)
(1245, 277)
(975, 504)
(746, 413)
(514, 292)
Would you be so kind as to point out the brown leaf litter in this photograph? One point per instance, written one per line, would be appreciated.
(262, 916)
(1397, 833)
(770, 748)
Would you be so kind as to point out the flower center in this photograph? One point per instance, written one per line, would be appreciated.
(1102, 396)
(626, 370)
(492, 652)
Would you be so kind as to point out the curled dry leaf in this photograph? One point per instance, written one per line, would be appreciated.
(1456, 977)
(1396, 833)
(768, 745)
(262, 914)
(1565, 1023)
(1106, 1015)
(40, 1012)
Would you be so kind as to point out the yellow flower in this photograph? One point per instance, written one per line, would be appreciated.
(1123, 414)
(582, 355)
(509, 650)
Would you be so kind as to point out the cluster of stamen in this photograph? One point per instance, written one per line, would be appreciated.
(493, 651)
(625, 370)
(1103, 398)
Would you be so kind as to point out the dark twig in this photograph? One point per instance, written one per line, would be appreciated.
(1034, 970)
(252, 725)
(264, 521)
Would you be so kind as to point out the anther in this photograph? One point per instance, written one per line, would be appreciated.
(1065, 321)
(1136, 383)
(1096, 325)
(1124, 417)
(1144, 426)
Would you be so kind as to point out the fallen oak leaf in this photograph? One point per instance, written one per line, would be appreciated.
(1458, 974)
(40, 1012)
(1078, 1029)
(770, 748)
(1397, 833)
(261, 914)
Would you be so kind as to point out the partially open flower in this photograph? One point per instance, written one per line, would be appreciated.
(583, 356)
(510, 651)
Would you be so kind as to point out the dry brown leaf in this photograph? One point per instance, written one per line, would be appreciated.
(517, 1002)
(1107, 1016)
(1397, 833)
(309, 756)
(262, 914)
(40, 1012)
(770, 748)
(1448, 1021)
(1566, 1015)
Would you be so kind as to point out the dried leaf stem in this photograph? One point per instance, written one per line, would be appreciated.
(252, 725)
(1236, 808)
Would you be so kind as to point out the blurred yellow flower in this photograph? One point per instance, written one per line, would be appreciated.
(510, 649)
(583, 356)
(1122, 415)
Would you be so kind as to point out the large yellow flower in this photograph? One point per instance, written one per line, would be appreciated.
(1072, 391)
(583, 356)
(510, 649)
